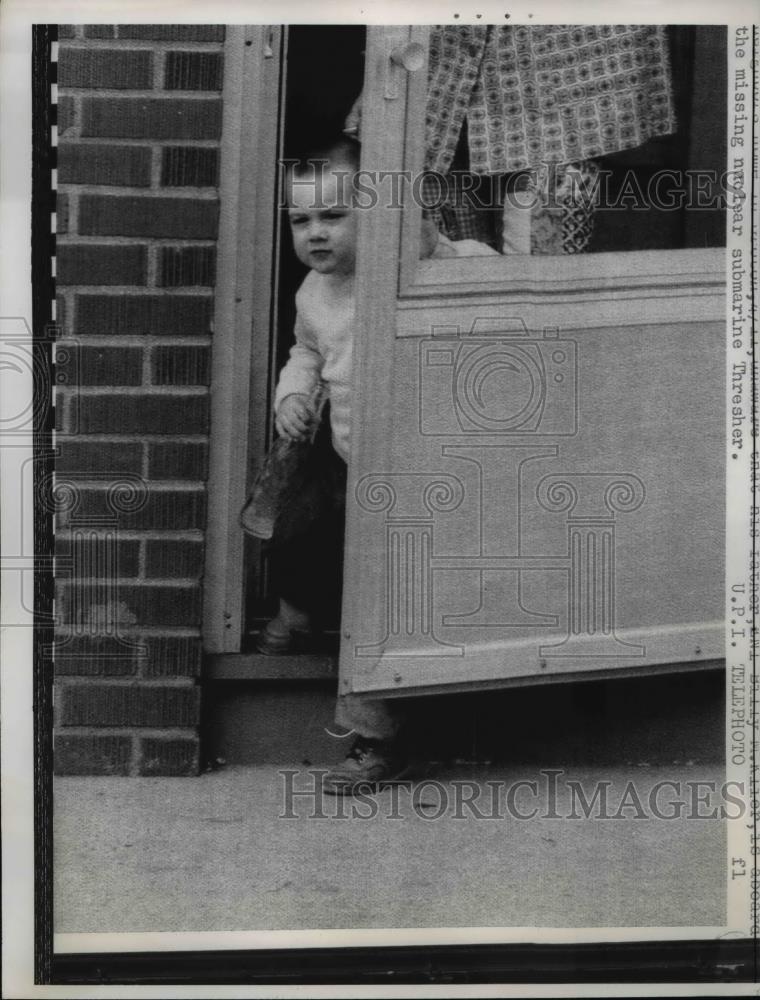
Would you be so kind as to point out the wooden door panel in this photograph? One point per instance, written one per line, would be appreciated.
(534, 487)
(613, 532)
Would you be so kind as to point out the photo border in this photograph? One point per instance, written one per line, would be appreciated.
(44, 117)
(727, 961)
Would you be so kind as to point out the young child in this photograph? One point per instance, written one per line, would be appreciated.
(323, 228)
(308, 566)
(304, 568)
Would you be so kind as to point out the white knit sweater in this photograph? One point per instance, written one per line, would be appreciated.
(324, 332)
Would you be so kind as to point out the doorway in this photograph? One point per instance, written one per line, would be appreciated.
(320, 75)
(316, 73)
(323, 69)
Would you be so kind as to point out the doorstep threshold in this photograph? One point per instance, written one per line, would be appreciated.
(259, 667)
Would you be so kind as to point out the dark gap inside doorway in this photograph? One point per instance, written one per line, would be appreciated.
(323, 76)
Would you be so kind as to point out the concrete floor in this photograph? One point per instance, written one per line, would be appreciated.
(213, 853)
(210, 853)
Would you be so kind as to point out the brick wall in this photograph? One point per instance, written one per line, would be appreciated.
(139, 124)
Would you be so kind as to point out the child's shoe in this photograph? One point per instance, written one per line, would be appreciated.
(368, 766)
(289, 632)
(274, 643)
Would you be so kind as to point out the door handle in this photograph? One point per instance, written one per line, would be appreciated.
(410, 57)
(407, 58)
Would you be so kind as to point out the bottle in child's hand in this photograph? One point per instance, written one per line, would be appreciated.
(299, 414)
(295, 417)
(283, 473)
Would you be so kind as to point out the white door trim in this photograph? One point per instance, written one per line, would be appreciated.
(242, 313)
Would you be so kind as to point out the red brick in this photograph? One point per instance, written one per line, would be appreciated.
(65, 114)
(140, 705)
(178, 460)
(152, 315)
(74, 754)
(172, 365)
(164, 606)
(61, 213)
(97, 655)
(92, 667)
(91, 163)
(105, 68)
(98, 456)
(173, 32)
(181, 559)
(179, 510)
(189, 166)
(67, 414)
(193, 71)
(89, 554)
(104, 366)
(92, 605)
(169, 757)
(99, 30)
(152, 117)
(187, 266)
(172, 656)
(111, 656)
(156, 414)
(165, 218)
(91, 264)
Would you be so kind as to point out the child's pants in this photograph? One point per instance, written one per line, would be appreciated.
(306, 551)
(375, 718)
(306, 568)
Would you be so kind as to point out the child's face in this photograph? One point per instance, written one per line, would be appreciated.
(323, 222)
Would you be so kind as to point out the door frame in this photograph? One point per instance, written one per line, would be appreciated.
(243, 315)
(243, 320)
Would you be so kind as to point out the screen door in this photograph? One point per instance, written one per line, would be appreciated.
(536, 484)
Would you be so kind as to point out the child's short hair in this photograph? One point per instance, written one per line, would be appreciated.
(340, 158)
(341, 151)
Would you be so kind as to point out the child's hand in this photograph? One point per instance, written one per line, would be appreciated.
(294, 417)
